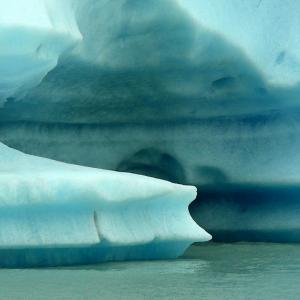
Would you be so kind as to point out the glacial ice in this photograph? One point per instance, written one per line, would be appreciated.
(250, 212)
(49, 204)
(266, 30)
(33, 35)
(140, 80)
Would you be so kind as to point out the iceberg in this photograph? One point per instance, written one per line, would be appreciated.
(53, 213)
(131, 83)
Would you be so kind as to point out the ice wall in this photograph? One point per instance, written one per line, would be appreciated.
(48, 204)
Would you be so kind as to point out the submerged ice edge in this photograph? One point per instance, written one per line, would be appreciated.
(48, 208)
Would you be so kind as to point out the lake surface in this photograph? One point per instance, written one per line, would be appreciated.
(211, 271)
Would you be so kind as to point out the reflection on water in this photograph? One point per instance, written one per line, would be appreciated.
(211, 271)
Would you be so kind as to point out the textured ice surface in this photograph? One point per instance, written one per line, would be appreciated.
(45, 203)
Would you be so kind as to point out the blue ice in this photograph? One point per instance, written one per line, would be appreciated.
(50, 209)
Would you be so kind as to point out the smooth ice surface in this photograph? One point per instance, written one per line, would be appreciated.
(33, 34)
(267, 30)
(225, 48)
(45, 203)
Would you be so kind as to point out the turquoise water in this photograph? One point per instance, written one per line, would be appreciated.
(212, 271)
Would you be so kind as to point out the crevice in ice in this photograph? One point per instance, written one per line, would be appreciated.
(95, 219)
(155, 163)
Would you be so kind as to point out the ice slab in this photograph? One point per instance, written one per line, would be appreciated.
(49, 204)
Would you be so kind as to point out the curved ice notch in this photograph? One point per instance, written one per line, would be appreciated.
(33, 34)
(53, 213)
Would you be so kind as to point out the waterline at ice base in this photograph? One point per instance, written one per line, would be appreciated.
(52, 213)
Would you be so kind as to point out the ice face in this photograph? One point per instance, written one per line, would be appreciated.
(33, 34)
(45, 203)
(152, 73)
(206, 59)
(265, 30)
